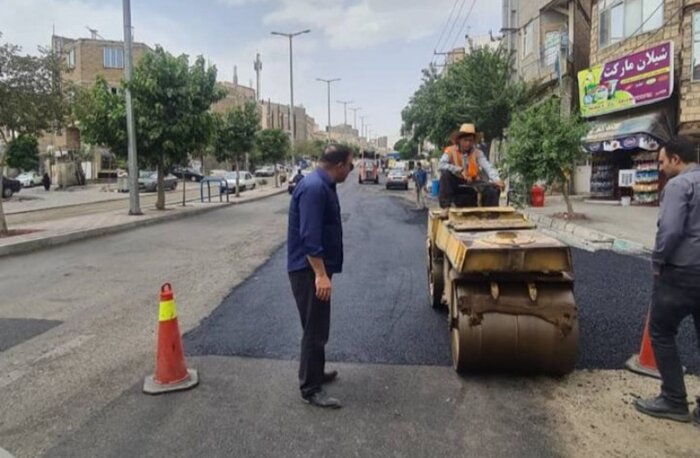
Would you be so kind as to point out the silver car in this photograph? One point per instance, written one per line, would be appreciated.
(148, 181)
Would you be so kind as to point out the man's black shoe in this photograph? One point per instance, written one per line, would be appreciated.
(321, 399)
(660, 408)
(329, 377)
(696, 416)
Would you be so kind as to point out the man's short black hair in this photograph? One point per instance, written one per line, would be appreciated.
(335, 154)
(682, 147)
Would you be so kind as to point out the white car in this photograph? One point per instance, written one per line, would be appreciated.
(245, 182)
(29, 179)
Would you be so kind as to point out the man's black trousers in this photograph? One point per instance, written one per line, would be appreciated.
(676, 296)
(315, 322)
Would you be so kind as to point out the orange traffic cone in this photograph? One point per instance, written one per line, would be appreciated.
(171, 372)
(644, 362)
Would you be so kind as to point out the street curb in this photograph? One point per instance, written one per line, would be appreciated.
(61, 239)
(588, 238)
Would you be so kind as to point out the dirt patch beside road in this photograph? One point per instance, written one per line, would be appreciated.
(595, 416)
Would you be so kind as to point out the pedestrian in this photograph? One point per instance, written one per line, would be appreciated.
(676, 267)
(314, 256)
(46, 181)
(420, 177)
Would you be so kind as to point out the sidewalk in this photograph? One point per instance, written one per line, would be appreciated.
(56, 232)
(624, 228)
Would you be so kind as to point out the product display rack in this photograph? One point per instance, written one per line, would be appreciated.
(603, 175)
(646, 187)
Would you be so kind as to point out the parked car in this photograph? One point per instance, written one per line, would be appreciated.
(189, 173)
(397, 178)
(10, 186)
(148, 181)
(245, 182)
(265, 171)
(29, 179)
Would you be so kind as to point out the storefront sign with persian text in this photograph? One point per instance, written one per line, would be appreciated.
(637, 79)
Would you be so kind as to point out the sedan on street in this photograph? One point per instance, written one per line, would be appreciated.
(397, 178)
(29, 179)
(148, 181)
(189, 173)
(245, 182)
(9, 187)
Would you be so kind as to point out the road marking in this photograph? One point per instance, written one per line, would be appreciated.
(65, 348)
(5, 454)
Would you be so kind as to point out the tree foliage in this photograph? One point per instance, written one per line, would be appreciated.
(543, 145)
(407, 148)
(234, 134)
(479, 90)
(171, 101)
(31, 99)
(273, 146)
(309, 148)
(23, 152)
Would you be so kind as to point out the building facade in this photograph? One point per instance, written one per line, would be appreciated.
(642, 88)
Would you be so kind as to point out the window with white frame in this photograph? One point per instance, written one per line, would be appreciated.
(113, 57)
(528, 37)
(695, 69)
(70, 59)
(621, 19)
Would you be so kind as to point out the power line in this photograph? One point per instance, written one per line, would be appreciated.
(442, 33)
(466, 19)
(454, 22)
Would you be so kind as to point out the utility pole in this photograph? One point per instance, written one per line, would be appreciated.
(354, 112)
(257, 66)
(292, 114)
(362, 131)
(345, 108)
(328, 83)
(134, 206)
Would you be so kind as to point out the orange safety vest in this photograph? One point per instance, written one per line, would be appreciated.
(455, 157)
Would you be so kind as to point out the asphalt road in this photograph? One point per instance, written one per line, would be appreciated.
(72, 386)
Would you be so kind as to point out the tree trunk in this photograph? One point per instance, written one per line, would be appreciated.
(3, 221)
(238, 178)
(160, 202)
(567, 199)
(184, 185)
(276, 179)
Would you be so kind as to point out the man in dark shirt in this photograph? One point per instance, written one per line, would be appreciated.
(420, 177)
(315, 254)
(676, 263)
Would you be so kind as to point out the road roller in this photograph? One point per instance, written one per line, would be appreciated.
(508, 291)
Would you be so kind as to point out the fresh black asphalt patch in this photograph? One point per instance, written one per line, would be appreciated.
(380, 311)
(14, 331)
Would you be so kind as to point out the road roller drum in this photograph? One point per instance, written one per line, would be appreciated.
(508, 290)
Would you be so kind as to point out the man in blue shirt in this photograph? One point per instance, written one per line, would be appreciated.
(676, 262)
(314, 255)
(420, 177)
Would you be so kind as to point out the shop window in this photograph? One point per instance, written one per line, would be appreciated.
(622, 19)
(528, 36)
(695, 70)
(113, 57)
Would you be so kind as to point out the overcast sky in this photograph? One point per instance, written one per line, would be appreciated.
(377, 47)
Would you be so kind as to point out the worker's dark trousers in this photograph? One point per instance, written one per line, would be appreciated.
(454, 190)
(676, 295)
(315, 321)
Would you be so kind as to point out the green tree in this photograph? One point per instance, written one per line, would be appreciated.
(234, 135)
(171, 102)
(273, 146)
(309, 148)
(544, 145)
(23, 152)
(479, 89)
(407, 148)
(31, 99)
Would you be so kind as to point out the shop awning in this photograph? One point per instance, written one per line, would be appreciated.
(643, 130)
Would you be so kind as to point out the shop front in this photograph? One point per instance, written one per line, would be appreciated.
(629, 104)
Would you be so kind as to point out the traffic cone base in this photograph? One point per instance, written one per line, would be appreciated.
(635, 366)
(150, 386)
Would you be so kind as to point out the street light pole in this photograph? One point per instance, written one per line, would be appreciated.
(354, 112)
(328, 83)
(292, 113)
(345, 108)
(134, 206)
